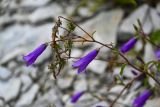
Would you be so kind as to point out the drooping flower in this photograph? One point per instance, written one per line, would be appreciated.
(31, 57)
(142, 98)
(76, 96)
(100, 106)
(157, 54)
(82, 63)
(128, 45)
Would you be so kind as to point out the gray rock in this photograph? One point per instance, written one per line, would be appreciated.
(158, 7)
(49, 98)
(116, 89)
(10, 89)
(147, 25)
(64, 83)
(129, 98)
(93, 83)
(5, 19)
(102, 103)
(2, 103)
(22, 41)
(153, 103)
(5, 73)
(98, 66)
(12, 65)
(84, 12)
(105, 24)
(26, 82)
(127, 24)
(36, 3)
(32, 71)
(45, 13)
(9, 56)
(76, 53)
(155, 19)
(80, 85)
(69, 10)
(27, 98)
(149, 53)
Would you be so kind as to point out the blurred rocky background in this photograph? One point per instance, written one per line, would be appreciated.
(24, 24)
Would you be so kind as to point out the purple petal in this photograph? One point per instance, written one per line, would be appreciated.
(157, 54)
(31, 57)
(82, 63)
(76, 96)
(89, 56)
(142, 98)
(82, 67)
(129, 45)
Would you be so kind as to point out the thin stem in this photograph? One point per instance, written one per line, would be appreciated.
(126, 86)
(77, 26)
(129, 63)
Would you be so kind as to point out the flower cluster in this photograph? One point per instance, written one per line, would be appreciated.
(62, 46)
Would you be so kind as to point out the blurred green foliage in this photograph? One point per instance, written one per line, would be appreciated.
(155, 37)
(126, 2)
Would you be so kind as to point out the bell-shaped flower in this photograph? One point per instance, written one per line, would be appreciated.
(76, 96)
(142, 98)
(31, 57)
(157, 54)
(83, 62)
(128, 45)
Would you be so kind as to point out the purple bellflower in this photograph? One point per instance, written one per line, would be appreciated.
(76, 96)
(31, 57)
(157, 54)
(142, 98)
(128, 45)
(83, 62)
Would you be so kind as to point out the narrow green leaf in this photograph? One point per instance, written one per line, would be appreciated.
(122, 69)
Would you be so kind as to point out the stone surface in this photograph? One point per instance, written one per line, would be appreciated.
(27, 98)
(126, 73)
(153, 103)
(116, 89)
(101, 104)
(80, 85)
(28, 23)
(64, 83)
(5, 73)
(149, 53)
(155, 19)
(84, 12)
(147, 24)
(12, 65)
(76, 53)
(158, 7)
(37, 15)
(127, 24)
(97, 66)
(10, 89)
(32, 71)
(22, 41)
(36, 3)
(49, 98)
(105, 24)
(26, 82)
